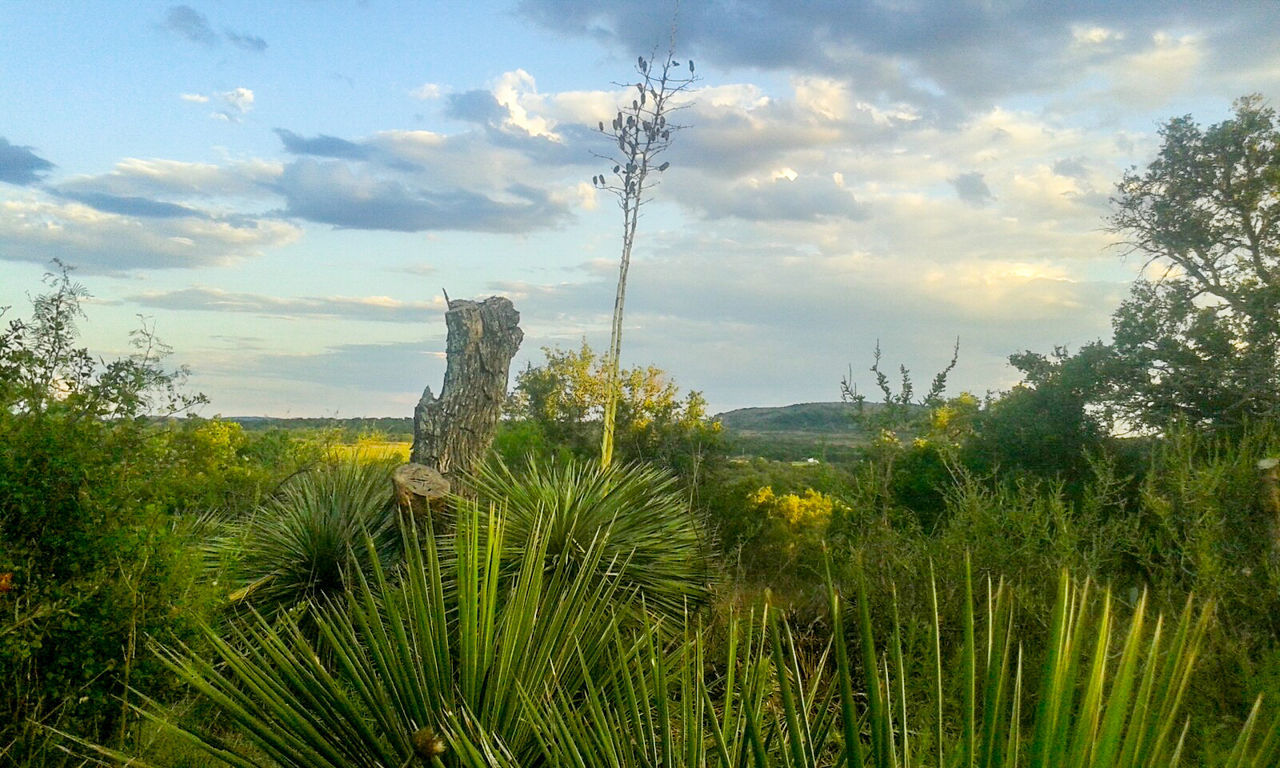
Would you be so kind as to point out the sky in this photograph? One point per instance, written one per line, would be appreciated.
(284, 191)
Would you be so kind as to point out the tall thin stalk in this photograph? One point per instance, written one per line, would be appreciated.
(641, 132)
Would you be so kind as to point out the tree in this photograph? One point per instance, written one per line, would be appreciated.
(642, 132)
(452, 432)
(565, 399)
(1045, 426)
(1201, 339)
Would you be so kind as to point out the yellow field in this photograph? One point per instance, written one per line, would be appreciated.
(371, 450)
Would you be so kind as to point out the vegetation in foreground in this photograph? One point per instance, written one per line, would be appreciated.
(188, 592)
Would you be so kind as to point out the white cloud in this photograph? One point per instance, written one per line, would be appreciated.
(237, 103)
(239, 99)
(427, 92)
(196, 98)
(372, 308)
(35, 229)
(515, 90)
(147, 177)
(1095, 35)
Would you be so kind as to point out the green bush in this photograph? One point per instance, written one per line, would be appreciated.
(91, 556)
(473, 668)
(649, 538)
(305, 544)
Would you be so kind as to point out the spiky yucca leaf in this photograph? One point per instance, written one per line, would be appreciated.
(408, 665)
(308, 541)
(651, 539)
(765, 714)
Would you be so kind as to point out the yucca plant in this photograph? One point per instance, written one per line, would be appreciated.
(649, 538)
(307, 542)
(1101, 703)
(471, 665)
(416, 666)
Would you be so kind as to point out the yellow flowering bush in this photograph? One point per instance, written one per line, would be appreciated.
(809, 511)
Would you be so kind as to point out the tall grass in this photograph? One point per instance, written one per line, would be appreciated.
(1109, 697)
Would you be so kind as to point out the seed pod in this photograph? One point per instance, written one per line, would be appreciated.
(664, 167)
(427, 744)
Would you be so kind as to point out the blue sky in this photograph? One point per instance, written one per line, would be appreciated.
(284, 189)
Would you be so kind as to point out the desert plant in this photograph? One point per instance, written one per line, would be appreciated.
(1101, 703)
(650, 540)
(414, 664)
(642, 131)
(306, 543)
(537, 669)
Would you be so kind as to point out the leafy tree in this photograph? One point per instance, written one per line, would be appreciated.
(642, 133)
(565, 400)
(1045, 426)
(1201, 340)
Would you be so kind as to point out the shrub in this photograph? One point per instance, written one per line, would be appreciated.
(434, 661)
(306, 543)
(649, 538)
(91, 556)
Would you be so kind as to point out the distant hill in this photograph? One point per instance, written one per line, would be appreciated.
(801, 417)
(392, 428)
(827, 431)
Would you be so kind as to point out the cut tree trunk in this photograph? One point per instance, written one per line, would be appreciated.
(420, 490)
(452, 432)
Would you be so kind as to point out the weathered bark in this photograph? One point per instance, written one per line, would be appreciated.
(452, 432)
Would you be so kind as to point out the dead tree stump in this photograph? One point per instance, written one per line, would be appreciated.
(420, 490)
(452, 432)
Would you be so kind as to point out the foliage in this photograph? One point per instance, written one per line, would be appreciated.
(901, 410)
(1202, 341)
(560, 404)
(306, 543)
(748, 537)
(421, 662)
(649, 541)
(642, 133)
(92, 558)
(41, 369)
(769, 704)
(534, 671)
(794, 525)
(1045, 427)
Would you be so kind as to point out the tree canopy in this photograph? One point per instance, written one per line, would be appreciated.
(565, 399)
(1198, 337)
